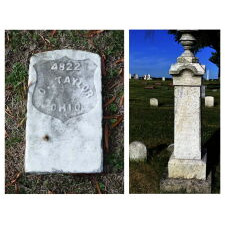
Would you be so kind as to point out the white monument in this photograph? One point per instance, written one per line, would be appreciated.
(136, 77)
(64, 113)
(130, 76)
(188, 160)
(148, 77)
(163, 78)
(207, 75)
(145, 77)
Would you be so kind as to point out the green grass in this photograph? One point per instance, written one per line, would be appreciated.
(18, 75)
(154, 126)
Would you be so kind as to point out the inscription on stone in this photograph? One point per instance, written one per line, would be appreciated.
(64, 88)
(65, 105)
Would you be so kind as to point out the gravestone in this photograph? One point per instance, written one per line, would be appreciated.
(209, 101)
(145, 77)
(136, 77)
(148, 77)
(207, 75)
(188, 160)
(163, 78)
(154, 102)
(130, 76)
(170, 148)
(64, 113)
(203, 91)
(137, 151)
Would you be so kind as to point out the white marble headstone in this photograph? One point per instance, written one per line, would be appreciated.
(209, 101)
(64, 113)
(154, 102)
(138, 151)
(148, 77)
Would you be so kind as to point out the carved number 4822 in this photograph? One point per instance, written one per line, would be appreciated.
(66, 66)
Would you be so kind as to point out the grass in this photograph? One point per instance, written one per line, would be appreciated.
(154, 126)
(20, 46)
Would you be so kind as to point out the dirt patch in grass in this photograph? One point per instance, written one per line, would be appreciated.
(154, 126)
(20, 46)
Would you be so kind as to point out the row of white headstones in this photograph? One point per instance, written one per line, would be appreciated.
(209, 101)
(148, 76)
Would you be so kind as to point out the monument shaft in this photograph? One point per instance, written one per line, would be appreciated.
(188, 160)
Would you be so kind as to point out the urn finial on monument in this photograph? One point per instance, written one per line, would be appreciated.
(188, 41)
(187, 70)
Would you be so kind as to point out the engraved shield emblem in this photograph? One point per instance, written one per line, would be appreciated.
(64, 87)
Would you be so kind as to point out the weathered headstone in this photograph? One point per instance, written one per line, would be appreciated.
(137, 151)
(203, 91)
(64, 113)
(207, 75)
(188, 160)
(154, 102)
(148, 77)
(170, 148)
(209, 101)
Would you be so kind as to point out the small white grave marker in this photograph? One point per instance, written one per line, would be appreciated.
(154, 102)
(64, 113)
(138, 151)
(209, 101)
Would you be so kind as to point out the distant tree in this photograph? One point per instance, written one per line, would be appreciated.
(205, 38)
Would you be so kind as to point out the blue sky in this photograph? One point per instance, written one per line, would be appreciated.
(154, 53)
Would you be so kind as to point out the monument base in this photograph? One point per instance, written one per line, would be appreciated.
(187, 168)
(190, 186)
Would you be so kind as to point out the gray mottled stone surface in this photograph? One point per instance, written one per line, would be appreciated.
(154, 102)
(64, 113)
(187, 168)
(186, 161)
(189, 186)
(209, 101)
(137, 151)
(187, 132)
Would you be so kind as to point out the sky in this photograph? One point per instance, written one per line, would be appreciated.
(153, 53)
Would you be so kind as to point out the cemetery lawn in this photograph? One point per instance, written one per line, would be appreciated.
(20, 46)
(154, 126)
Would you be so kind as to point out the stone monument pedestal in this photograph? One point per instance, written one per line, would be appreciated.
(187, 164)
(189, 186)
(187, 168)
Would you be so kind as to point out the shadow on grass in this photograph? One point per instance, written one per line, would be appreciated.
(151, 152)
(145, 176)
(213, 160)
